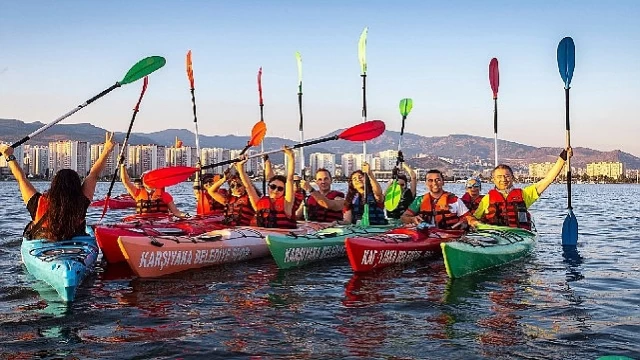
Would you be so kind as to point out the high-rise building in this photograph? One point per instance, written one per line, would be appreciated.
(322, 160)
(613, 170)
(214, 155)
(388, 159)
(141, 158)
(17, 152)
(112, 160)
(352, 162)
(181, 156)
(39, 160)
(68, 154)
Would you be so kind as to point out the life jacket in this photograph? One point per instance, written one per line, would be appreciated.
(511, 211)
(38, 227)
(376, 212)
(298, 199)
(322, 214)
(147, 204)
(271, 214)
(238, 211)
(405, 201)
(472, 205)
(440, 214)
(207, 205)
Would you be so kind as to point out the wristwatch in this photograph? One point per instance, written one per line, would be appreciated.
(11, 158)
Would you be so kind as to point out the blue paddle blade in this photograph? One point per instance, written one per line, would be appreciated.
(570, 229)
(566, 60)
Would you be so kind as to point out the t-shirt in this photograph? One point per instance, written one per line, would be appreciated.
(529, 195)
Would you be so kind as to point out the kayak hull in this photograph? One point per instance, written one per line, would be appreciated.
(118, 202)
(489, 247)
(61, 264)
(157, 256)
(290, 251)
(397, 246)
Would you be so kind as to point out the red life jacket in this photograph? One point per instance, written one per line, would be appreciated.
(322, 214)
(271, 214)
(472, 205)
(238, 211)
(146, 204)
(298, 199)
(207, 205)
(511, 211)
(439, 215)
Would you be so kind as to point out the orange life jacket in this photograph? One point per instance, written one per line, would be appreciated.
(271, 214)
(322, 214)
(207, 205)
(238, 211)
(472, 205)
(511, 211)
(146, 204)
(439, 215)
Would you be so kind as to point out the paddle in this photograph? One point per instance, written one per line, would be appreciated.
(169, 176)
(195, 118)
(494, 80)
(362, 57)
(124, 146)
(394, 192)
(141, 69)
(261, 104)
(566, 64)
(301, 129)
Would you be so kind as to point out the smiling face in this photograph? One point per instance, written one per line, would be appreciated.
(236, 187)
(357, 181)
(473, 187)
(276, 189)
(323, 179)
(435, 183)
(502, 178)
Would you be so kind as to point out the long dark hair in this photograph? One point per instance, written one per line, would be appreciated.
(352, 191)
(67, 205)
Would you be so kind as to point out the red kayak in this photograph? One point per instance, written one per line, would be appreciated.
(160, 226)
(397, 246)
(124, 201)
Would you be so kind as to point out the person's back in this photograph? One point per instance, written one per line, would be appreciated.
(152, 201)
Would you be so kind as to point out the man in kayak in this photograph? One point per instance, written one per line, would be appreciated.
(472, 197)
(438, 207)
(508, 206)
(148, 200)
(324, 204)
(59, 213)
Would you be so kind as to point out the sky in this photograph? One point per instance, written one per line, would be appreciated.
(55, 55)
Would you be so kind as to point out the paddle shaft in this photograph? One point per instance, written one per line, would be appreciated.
(45, 127)
(566, 94)
(495, 128)
(301, 128)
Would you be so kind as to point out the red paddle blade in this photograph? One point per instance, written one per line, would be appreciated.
(257, 133)
(363, 132)
(167, 176)
(494, 77)
(260, 85)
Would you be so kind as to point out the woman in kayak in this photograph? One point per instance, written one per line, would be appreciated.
(58, 213)
(238, 210)
(274, 210)
(408, 191)
(472, 197)
(148, 200)
(354, 203)
(205, 203)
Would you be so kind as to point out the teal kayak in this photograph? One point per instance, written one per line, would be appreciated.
(61, 264)
(488, 247)
(293, 250)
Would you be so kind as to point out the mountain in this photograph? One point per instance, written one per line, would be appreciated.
(466, 148)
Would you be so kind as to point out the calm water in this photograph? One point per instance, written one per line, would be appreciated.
(552, 305)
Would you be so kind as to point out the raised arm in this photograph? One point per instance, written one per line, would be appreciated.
(543, 184)
(126, 181)
(375, 186)
(248, 185)
(268, 168)
(413, 176)
(89, 183)
(213, 190)
(26, 188)
(334, 205)
(289, 194)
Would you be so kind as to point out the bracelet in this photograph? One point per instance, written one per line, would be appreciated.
(563, 155)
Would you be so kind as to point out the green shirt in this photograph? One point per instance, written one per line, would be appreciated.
(529, 195)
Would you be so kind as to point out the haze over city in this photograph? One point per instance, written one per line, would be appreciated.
(58, 54)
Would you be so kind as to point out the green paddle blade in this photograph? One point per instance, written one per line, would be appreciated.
(405, 106)
(143, 68)
(362, 50)
(392, 197)
(364, 222)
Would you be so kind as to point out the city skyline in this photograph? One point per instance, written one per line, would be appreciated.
(437, 54)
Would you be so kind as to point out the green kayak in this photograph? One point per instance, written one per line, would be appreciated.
(292, 250)
(488, 247)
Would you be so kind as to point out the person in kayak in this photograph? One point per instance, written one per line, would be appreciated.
(237, 208)
(274, 210)
(438, 207)
(58, 213)
(472, 197)
(149, 200)
(354, 201)
(408, 191)
(324, 204)
(205, 204)
(507, 205)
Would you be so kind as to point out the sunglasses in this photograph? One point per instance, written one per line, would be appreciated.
(235, 185)
(274, 187)
(473, 186)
